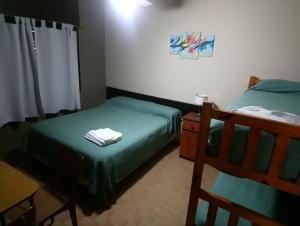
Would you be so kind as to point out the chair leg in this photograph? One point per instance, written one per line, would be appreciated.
(52, 220)
(72, 210)
(2, 220)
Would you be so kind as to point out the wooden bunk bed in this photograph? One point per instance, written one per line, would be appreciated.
(283, 133)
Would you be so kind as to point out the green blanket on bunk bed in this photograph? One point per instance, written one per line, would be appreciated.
(270, 97)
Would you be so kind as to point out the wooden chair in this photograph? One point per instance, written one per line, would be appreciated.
(48, 201)
(283, 133)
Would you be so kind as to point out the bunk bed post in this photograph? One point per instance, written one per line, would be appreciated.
(206, 115)
(253, 81)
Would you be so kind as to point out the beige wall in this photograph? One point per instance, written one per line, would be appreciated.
(252, 37)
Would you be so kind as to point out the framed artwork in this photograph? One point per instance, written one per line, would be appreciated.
(175, 44)
(190, 45)
(206, 45)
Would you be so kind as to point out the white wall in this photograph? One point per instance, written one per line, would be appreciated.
(252, 37)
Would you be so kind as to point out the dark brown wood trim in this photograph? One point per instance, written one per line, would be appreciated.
(184, 107)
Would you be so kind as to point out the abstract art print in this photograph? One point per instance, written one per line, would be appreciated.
(175, 44)
(190, 45)
(206, 45)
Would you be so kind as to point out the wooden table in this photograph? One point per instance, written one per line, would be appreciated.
(15, 188)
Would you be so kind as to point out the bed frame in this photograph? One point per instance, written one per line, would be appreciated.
(183, 107)
(284, 132)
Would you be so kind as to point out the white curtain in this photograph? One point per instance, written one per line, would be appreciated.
(57, 66)
(40, 78)
(19, 96)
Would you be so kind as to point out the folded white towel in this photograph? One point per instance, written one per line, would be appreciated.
(274, 115)
(105, 134)
(103, 137)
(99, 141)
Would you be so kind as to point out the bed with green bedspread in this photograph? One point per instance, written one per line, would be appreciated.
(146, 128)
(276, 95)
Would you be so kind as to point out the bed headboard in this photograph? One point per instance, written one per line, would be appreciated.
(183, 107)
(253, 81)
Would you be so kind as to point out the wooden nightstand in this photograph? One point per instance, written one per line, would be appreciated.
(189, 135)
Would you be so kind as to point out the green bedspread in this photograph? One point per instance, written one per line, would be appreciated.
(281, 101)
(146, 128)
(253, 195)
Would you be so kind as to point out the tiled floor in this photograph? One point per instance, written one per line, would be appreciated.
(156, 194)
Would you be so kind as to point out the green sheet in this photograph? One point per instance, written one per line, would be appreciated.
(253, 195)
(287, 102)
(146, 128)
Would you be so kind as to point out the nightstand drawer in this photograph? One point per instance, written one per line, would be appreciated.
(189, 135)
(188, 144)
(191, 126)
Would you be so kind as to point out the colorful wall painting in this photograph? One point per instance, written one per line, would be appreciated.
(206, 46)
(175, 44)
(190, 45)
